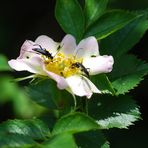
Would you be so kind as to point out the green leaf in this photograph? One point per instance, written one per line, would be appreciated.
(47, 94)
(70, 17)
(33, 128)
(15, 140)
(93, 139)
(4, 63)
(114, 112)
(93, 10)
(103, 83)
(128, 73)
(65, 140)
(74, 123)
(10, 91)
(109, 23)
(123, 40)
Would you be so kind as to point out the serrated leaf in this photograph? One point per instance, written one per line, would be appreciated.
(128, 73)
(93, 139)
(119, 121)
(70, 17)
(117, 112)
(15, 140)
(33, 128)
(47, 94)
(123, 40)
(65, 140)
(109, 23)
(4, 63)
(93, 10)
(103, 83)
(74, 123)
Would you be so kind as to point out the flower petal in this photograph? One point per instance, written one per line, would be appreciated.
(81, 86)
(87, 48)
(28, 60)
(68, 45)
(61, 82)
(32, 65)
(100, 64)
(26, 50)
(47, 43)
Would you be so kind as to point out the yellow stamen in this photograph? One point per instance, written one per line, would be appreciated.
(62, 65)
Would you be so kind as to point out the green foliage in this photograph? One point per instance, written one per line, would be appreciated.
(47, 94)
(74, 123)
(3, 63)
(65, 140)
(93, 10)
(103, 83)
(93, 139)
(109, 23)
(70, 17)
(33, 128)
(15, 140)
(23, 133)
(109, 112)
(118, 31)
(123, 40)
(128, 73)
(10, 91)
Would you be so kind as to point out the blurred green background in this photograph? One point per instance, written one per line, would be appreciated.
(21, 20)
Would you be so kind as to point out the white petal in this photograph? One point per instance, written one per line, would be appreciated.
(87, 48)
(68, 45)
(47, 43)
(26, 50)
(61, 82)
(33, 66)
(28, 60)
(100, 64)
(81, 86)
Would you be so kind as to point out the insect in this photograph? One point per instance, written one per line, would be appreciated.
(43, 51)
(82, 67)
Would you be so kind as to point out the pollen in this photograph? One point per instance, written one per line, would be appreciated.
(62, 65)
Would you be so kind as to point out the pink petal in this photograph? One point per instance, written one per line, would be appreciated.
(68, 45)
(26, 50)
(28, 60)
(100, 64)
(87, 48)
(81, 86)
(47, 43)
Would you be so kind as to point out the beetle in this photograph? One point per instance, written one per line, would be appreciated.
(43, 51)
(82, 67)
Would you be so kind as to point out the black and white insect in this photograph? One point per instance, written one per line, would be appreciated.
(82, 67)
(42, 51)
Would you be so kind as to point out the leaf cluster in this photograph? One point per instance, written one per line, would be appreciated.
(117, 31)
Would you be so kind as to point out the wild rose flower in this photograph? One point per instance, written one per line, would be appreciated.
(67, 63)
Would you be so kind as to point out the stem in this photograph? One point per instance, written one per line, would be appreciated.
(24, 78)
(86, 106)
(75, 101)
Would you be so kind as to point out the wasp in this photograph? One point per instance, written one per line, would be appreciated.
(82, 67)
(43, 51)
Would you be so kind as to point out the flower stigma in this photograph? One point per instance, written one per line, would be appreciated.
(62, 65)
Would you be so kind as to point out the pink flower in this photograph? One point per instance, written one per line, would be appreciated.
(69, 64)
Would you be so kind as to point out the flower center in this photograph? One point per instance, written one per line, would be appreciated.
(62, 65)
